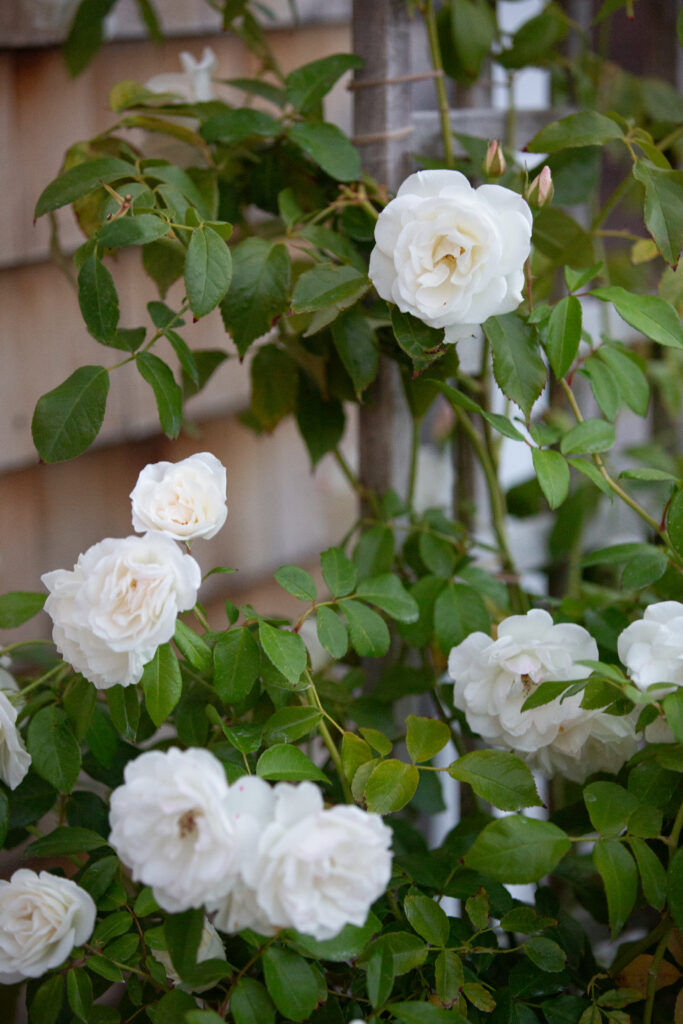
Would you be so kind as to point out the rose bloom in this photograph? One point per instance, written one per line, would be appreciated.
(493, 678)
(652, 648)
(170, 824)
(185, 500)
(118, 604)
(42, 918)
(15, 761)
(449, 254)
(317, 870)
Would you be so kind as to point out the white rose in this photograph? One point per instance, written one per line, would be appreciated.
(119, 604)
(185, 500)
(14, 758)
(449, 254)
(652, 648)
(42, 918)
(171, 826)
(210, 948)
(317, 870)
(493, 678)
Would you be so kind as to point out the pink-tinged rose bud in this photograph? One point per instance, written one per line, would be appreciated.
(541, 190)
(494, 162)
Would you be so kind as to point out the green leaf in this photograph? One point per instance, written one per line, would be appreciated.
(46, 1005)
(307, 85)
(417, 339)
(437, 554)
(425, 1013)
(339, 572)
(663, 207)
(374, 553)
(297, 582)
(251, 1004)
(576, 279)
(609, 807)
(603, 385)
(425, 737)
(168, 396)
(328, 284)
(642, 570)
(356, 343)
(232, 126)
(616, 553)
(183, 934)
(380, 976)
(320, 421)
(79, 702)
(631, 380)
(377, 740)
(136, 229)
(458, 611)
(620, 877)
(388, 593)
(65, 840)
(354, 753)
(674, 521)
(652, 872)
(284, 762)
(473, 30)
(327, 146)
(236, 665)
(516, 849)
(449, 976)
(427, 918)
(18, 606)
(675, 887)
(285, 650)
(534, 41)
(172, 1007)
(391, 786)
(98, 876)
(68, 419)
(274, 385)
(673, 709)
(332, 632)
(367, 630)
(259, 290)
(654, 317)
(588, 437)
(55, 751)
(164, 262)
(498, 777)
(545, 953)
(192, 647)
(564, 334)
(162, 684)
(517, 365)
(98, 300)
(80, 181)
(290, 724)
(552, 473)
(587, 128)
(347, 945)
(208, 270)
(291, 983)
(246, 737)
(647, 473)
(407, 951)
(79, 992)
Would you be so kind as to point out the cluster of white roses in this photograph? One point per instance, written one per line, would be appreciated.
(121, 600)
(493, 678)
(255, 855)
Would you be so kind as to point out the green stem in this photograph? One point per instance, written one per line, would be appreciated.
(363, 493)
(23, 643)
(612, 484)
(415, 447)
(311, 696)
(676, 832)
(652, 974)
(427, 10)
(518, 599)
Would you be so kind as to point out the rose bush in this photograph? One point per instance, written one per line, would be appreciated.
(42, 918)
(119, 604)
(290, 773)
(451, 255)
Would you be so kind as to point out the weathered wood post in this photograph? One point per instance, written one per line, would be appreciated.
(382, 130)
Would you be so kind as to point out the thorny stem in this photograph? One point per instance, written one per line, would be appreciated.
(427, 10)
(653, 972)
